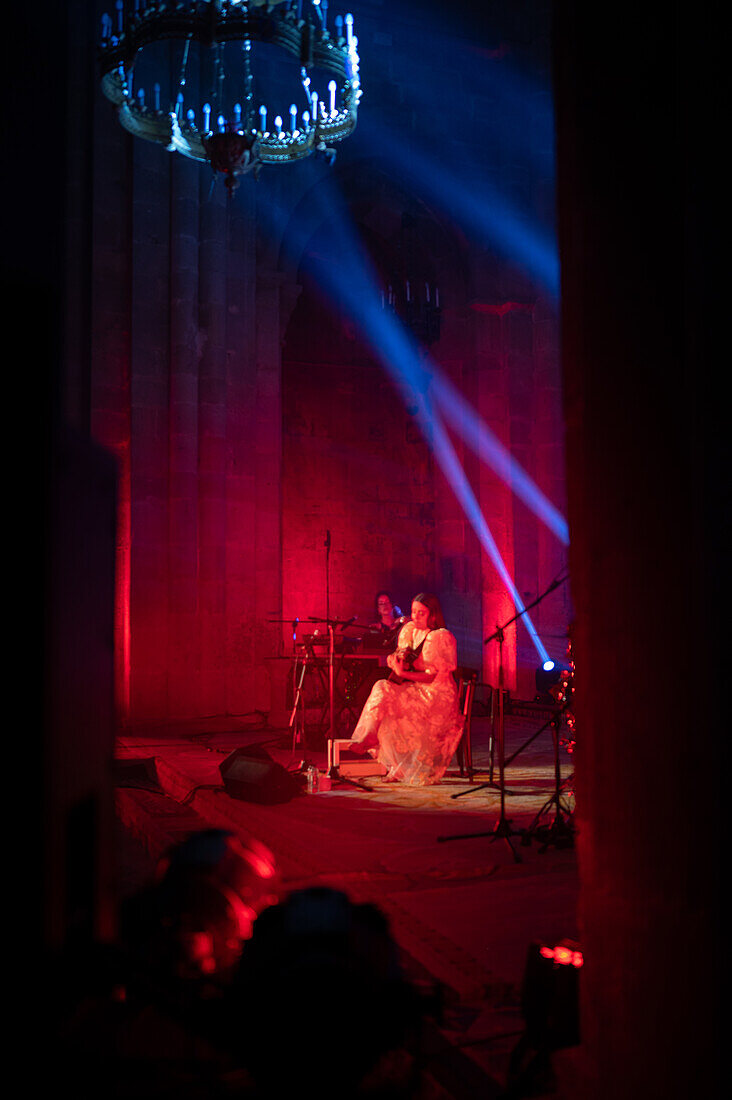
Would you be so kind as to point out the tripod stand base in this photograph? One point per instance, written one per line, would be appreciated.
(503, 828)
(560, 832)
(483, 787)
(502, 831)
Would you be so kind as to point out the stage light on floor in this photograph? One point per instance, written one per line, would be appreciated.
(191, 923)
(550, 994)
(550, 1009)
(564, 955)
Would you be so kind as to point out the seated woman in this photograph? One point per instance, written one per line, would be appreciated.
(411, 722)
(387, 613)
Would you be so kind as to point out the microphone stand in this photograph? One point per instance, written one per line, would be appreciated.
(561, 830)
(298, 730)
(326, 544)
(309, 659)
(331, 654)
(331, 643)
(331, 624)
(502, 829)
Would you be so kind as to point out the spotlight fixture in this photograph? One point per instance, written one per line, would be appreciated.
(549, 998)
(187, 928)
(548, 677)
(215, 44)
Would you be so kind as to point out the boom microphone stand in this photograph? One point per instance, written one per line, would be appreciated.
(502, 829)
(331, 643)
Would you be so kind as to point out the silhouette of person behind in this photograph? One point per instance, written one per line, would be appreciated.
(319, 1001)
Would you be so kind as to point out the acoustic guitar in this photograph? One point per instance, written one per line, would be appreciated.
(409, 656)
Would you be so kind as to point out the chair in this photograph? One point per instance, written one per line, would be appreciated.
(466, 679)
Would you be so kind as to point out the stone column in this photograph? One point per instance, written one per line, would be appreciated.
(185, 654)
(493, 404)
(553, 616)
(110, 309)
(150, 246)
(212, 424)
(276, 295)
(641, 295)
(244, 638)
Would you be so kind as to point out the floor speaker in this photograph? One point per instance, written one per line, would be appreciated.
(253, 776)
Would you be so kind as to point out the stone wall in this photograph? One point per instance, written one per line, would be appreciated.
(233, 467)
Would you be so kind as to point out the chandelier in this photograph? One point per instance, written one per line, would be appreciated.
(417, 304)
(211, 56)
(410, 289)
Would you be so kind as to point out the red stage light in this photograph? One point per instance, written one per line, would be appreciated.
(565, 956)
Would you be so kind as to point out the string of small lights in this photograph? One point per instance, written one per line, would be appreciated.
(565, 694)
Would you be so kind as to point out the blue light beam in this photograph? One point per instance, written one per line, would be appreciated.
(436, 433)
(399, 355)
(473, 430)
(479, 206)
(383, 330)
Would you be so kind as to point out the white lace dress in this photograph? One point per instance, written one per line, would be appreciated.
(413, 728)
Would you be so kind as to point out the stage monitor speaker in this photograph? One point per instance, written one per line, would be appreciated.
(253, 776)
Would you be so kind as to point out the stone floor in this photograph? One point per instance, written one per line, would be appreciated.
(466, 886)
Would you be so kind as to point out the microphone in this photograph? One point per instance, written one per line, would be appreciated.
(397, 610)
(326, 544)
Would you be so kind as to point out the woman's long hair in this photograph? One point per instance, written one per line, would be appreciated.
(437, 619)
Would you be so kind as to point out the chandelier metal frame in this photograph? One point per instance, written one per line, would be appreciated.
(240, 139)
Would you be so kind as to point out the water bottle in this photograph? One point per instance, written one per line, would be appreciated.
(311, 779)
